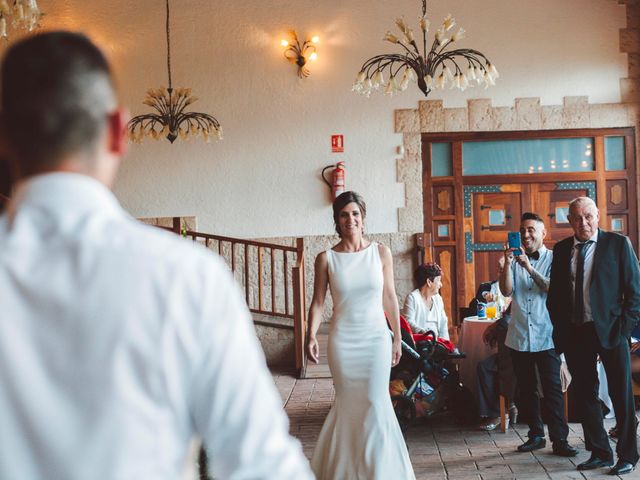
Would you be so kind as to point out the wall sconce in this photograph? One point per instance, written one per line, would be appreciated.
(300, 54)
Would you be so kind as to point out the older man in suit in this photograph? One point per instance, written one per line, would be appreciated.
(594, 303)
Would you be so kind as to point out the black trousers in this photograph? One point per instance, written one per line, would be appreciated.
(548, 363)
(581, 357)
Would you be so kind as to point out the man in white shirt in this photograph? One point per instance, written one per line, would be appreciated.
(118, 342)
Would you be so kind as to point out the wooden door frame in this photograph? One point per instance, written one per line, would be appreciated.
(458, 182)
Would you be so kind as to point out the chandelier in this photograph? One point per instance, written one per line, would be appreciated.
(23, 14)
(171, 120)
(442, 66)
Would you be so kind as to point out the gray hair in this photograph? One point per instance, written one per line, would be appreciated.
(579, 201)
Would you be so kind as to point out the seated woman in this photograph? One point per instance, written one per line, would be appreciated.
(424, 308)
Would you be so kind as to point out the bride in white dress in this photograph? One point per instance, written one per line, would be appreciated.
(361, 438)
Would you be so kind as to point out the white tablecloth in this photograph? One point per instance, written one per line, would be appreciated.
(473, 346)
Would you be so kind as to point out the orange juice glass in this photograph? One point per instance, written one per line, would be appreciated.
(491, 311)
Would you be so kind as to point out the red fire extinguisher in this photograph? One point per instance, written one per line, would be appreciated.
(337, 183)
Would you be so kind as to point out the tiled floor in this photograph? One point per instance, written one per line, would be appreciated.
(440, 450)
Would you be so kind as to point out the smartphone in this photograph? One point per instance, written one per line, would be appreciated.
(514, 241)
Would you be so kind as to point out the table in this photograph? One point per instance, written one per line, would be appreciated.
(471, 343)
(473, 346)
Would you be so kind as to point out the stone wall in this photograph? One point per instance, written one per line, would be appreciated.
(276, 333)
(403, 249)
(525, 114)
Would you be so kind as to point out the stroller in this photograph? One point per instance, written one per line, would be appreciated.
(421, 385)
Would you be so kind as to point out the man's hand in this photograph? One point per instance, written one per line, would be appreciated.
(523, 261)
(508, 255)
(488, 297)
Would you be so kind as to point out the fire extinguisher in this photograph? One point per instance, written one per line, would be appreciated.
(337, 185)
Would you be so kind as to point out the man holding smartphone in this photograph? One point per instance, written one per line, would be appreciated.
(526, 280)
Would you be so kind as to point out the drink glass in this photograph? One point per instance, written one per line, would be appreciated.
(491, 310)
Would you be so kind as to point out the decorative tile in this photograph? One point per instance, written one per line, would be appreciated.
(590, 186)
(469, 189)
(470, 247)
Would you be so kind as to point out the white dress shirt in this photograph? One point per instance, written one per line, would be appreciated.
(588, 270)
(421, 317)
(119, 343)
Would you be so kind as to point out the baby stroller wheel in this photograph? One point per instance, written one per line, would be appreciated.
(405, 411)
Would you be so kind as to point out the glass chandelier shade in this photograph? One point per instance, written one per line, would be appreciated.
(20, 14)
(441, 66)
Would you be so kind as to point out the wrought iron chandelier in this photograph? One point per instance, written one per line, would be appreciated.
(23, 14)
(438, 68)
(171, 119)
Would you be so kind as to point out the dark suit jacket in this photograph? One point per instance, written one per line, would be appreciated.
(614, 290)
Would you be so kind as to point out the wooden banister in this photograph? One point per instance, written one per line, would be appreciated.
(299, 311)
(258, 285)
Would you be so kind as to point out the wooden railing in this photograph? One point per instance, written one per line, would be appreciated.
(271, 275)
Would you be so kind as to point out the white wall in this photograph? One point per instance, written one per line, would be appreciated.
(262, 180)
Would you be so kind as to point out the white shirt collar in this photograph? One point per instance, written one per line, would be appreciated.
(594, 238)
(63, 193)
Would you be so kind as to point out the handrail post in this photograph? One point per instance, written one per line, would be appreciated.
(176, 225)
(424, 248)
(299, 323)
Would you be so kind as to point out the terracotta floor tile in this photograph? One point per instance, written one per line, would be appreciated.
(439, 448)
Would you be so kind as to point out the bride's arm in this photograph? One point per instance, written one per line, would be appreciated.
(320, 282)
(390, 303)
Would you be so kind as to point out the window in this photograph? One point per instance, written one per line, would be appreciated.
(528, 156)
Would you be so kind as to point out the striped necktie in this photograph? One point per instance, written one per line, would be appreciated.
(578, 294)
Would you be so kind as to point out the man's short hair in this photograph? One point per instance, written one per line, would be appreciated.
(531, 216)
(57, 92)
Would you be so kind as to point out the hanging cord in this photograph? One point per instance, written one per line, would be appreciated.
(168, 46)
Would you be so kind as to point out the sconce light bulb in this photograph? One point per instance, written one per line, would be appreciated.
(315, 39)
(313, 56)
(284, 43)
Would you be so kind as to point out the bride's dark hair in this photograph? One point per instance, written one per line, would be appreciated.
(342, 201)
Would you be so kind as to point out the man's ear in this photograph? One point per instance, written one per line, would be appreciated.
(117, 131)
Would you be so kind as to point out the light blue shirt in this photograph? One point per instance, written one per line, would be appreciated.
(530, 327)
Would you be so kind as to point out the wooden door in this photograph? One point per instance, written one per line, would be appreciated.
(498, 211)
(468, 215)
(551, 203)
(494, 214)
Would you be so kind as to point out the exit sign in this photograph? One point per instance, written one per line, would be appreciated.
(337, 143)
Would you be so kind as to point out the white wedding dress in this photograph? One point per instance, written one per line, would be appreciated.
(361, 438)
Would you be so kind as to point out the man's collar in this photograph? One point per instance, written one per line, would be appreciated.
(594, 238)
(63, 194)
(536, 255)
